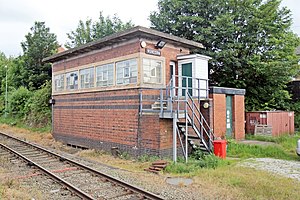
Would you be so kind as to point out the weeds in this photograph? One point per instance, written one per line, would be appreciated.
(147, 158)
(19, 123)
(283, 148)
(197, 162)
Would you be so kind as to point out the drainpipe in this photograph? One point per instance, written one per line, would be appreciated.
(52, 102)
(174, 137)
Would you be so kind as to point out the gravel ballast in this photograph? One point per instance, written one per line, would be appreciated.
(286, 168)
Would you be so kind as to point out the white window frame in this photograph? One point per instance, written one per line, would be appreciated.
(128, 72)
(58, 81)
(106, 77)
(150, 68)
(72, 79)
(87, 78)
(104, 74)
(121, 77)
(155, 74)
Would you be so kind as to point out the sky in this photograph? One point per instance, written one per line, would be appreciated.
(62, 16)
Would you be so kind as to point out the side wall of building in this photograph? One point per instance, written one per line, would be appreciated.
(219, 114)
(239, 116)
(98, 120)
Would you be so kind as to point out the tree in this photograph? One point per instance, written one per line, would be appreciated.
(89, 31)
(250, 43)
(39, 44)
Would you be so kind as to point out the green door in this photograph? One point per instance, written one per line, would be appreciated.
(186, 81)
(228, 115)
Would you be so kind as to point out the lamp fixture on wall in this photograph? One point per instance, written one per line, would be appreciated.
(143, 44)
(160, 44)
(205, 105)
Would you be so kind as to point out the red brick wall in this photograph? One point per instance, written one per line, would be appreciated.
(106, 119)
(238, 117)
(170, 54)
(110, 117)
(97, 57)
(219, 114)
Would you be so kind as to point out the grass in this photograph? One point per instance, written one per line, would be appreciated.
(283, 148)
(10, 188)
(19, 123)
(244, 183)
(287, 142)
(193, 166)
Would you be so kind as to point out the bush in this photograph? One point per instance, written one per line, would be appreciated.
(38, 112)
(17, 100)
(295, 106)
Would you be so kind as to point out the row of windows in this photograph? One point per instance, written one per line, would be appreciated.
(126, 73)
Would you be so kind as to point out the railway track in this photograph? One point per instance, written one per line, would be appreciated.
(79, 179)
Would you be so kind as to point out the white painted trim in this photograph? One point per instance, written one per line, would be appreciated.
(193, 56)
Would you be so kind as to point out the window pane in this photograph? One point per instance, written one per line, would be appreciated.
(152, 71)
(59, 82)
(72, 80)
(87, 78)
(126, 71)
(105, 75)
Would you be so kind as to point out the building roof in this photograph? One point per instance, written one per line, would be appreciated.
(128, 34)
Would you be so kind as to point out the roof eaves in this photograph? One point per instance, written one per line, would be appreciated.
(137, 30)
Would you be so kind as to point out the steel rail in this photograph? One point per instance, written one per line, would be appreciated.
(71, 187)
(134, 189)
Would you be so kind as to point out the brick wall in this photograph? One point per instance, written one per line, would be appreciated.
(238, 116)
(123, 50)
(219, 114)
(106, 119)
(109, 119)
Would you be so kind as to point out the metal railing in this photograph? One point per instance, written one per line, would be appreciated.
(174, 93)
(199, 123)
(180, 99)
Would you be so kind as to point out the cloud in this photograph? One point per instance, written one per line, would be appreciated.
(16, 11)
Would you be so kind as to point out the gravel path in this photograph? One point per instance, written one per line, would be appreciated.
(290, 169)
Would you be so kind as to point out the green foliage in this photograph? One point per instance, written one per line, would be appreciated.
(125, 155)
(17, 100)
(39, 44)
(38, 112)
(287, 142)
(89, 31)
(19, 122)
(250, 43)
(194, 165)
(283, 149)
(295, 106)
(147, 158)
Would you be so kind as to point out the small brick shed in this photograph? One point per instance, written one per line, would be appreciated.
(228, 112)
(125, 90)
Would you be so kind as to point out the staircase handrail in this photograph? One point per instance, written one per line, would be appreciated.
(210, 134)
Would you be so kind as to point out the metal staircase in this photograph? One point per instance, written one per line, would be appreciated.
(175, 102)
